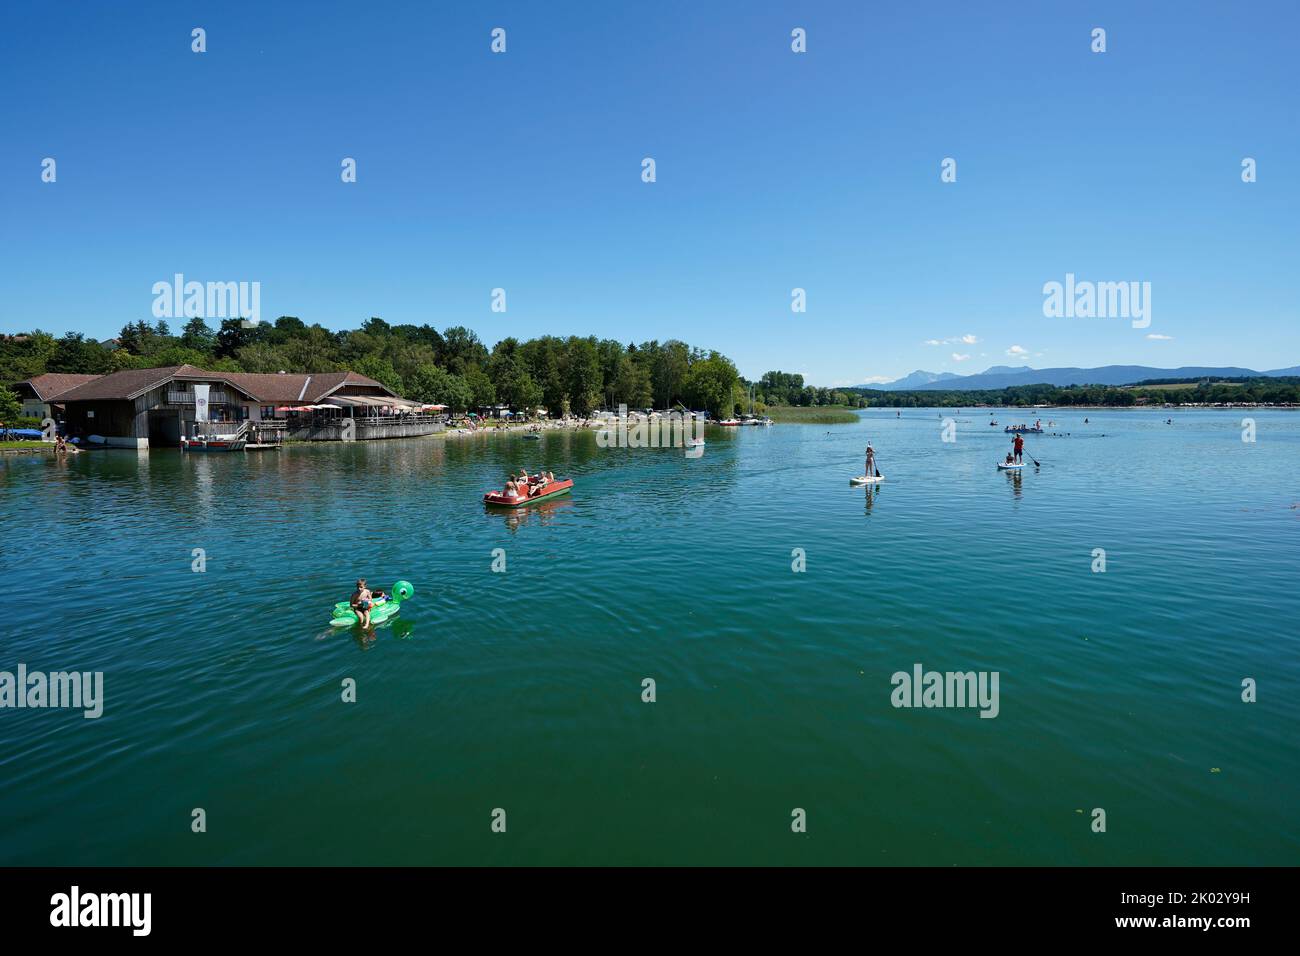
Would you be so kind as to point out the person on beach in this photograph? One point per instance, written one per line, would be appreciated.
(1019, 445)
(871, 460)
(361, 602)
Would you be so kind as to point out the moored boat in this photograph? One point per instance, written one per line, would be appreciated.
(550, 490)
(212, 443)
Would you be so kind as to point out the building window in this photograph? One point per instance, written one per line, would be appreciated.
(268, 411)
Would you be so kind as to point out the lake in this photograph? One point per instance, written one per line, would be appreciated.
(522, 691)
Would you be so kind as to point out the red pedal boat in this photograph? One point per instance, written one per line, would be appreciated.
(546, 492)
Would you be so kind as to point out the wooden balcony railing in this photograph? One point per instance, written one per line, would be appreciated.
(186, 397)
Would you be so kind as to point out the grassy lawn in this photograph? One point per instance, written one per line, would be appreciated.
(1181, 386)
(816, 415)
(16, 445)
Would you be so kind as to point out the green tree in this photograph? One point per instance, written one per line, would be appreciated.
(435, 385)
(482, 393)
(75, 353)
(632, 385)
(713, 383)
(584, 375)
(519, 391)
(10, 406)
(25, 356)
(669, 367)
(175, 355)
(262, 357)
(312, 352)
(120, 360)
(461, 350)
(381, 370)
(234, 335)
(198, 336)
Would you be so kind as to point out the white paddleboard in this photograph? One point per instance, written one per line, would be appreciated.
(864, 480)
(1005, 467)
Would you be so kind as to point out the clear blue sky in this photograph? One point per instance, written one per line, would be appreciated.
(775, 170)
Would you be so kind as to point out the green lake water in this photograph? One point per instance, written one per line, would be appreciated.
(523, 690)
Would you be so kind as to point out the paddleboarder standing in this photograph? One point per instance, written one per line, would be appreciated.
(1019, 445)
(871, 461)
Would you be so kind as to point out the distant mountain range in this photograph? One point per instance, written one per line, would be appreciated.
(1005, 376)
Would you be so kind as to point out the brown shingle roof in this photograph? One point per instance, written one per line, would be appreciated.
(122, 385)
(296, 386)
(56, 383)
(272, 388)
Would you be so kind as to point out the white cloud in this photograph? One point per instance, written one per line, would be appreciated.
(967, 339)
(1017, 350)
(959, 358)
(1154, 337)
(876, 380)
(933, 342)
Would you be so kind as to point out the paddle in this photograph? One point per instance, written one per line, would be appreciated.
(1033, 459)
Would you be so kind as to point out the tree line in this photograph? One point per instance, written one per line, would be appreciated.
(565, 375)
(788, 388)
(1263, 390)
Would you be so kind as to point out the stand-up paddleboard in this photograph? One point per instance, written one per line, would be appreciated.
(865, 480)
(1005, 467)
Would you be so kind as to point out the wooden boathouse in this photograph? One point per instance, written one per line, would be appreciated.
(140, 408)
